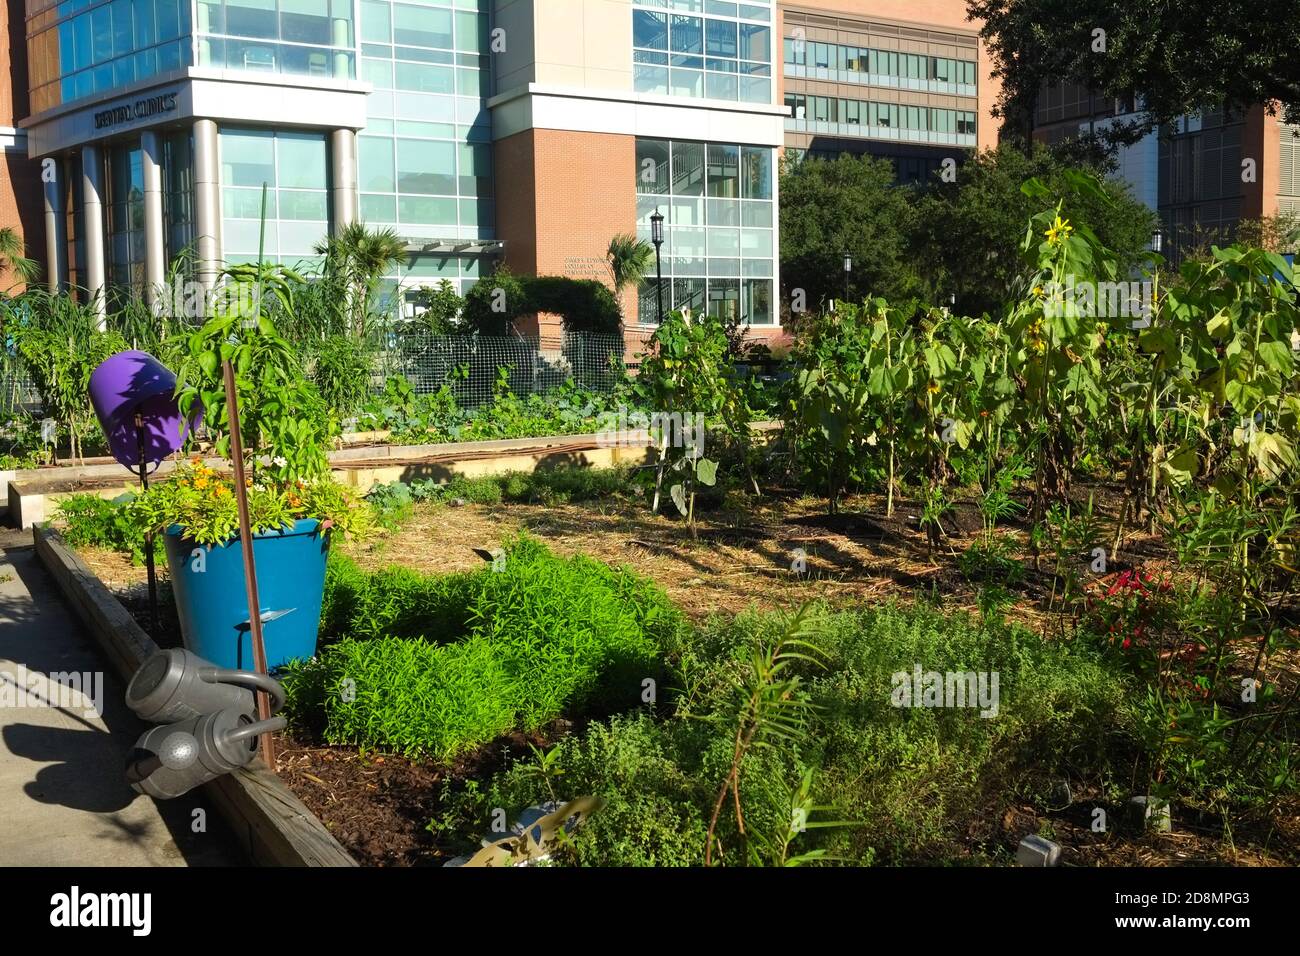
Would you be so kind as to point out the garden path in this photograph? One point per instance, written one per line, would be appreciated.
(64, 800)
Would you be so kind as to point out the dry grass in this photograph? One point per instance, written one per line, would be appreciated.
(742, 556)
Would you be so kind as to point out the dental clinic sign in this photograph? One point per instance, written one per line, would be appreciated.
(144, 108)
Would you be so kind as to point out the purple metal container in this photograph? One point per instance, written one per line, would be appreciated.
(131, 382)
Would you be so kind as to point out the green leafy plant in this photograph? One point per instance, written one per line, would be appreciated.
(341, 371)
(60, 343)
(684, 378)
(771, 709)
(444, 664)
(286, 428)
(88, 520)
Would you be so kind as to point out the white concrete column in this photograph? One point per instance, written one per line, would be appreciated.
(207, 202)
(56, 224)
(92, 227)
(340, 34)
(155, 248)
(343, 178)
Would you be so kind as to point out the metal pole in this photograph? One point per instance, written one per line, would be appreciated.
(659, 284)
(148, 538)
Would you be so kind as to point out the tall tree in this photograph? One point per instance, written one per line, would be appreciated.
(849, 205)
(1179, 56)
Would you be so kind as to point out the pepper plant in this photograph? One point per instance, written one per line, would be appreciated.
(285, 426)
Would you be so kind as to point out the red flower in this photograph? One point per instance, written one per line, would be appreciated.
(1126, 643)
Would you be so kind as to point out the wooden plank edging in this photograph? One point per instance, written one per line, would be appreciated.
(273, 825)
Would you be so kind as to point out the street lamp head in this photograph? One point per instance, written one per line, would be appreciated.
(848, 262)
(1157, 239)
(657, 228)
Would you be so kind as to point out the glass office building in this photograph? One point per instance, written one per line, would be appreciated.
(857, 80)
(479, 130)
(159, 122)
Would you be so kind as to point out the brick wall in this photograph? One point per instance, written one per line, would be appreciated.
(21, 207)
(561, 196)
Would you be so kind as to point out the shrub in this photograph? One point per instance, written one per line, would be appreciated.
(344, 583)
(585, 305)
(494, 302)
(400, 602)
(92, 521)
(408, 696)
(442, 664)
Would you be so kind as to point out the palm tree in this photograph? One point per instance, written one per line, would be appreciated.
(358, 258)
(629, 260)
(13, 255)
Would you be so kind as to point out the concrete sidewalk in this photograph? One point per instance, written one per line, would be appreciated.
(64, 800)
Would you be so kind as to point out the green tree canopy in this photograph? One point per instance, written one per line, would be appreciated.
(845, 205)
(1179, 55)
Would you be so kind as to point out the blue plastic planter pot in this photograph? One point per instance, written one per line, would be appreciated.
(212, 602)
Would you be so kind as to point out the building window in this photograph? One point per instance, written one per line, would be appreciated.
(114, 44)
(178, 192)
(297, 37)
(125, 200)
(425, 158)
(715, 56)
(719, 249)
(887, 67)
(294, 167)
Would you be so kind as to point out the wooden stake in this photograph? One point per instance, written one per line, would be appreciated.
(265, 743)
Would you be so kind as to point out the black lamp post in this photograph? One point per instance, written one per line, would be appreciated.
(657, 237)
(848, 270)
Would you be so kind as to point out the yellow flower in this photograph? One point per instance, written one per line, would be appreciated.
(934, 388)
(1059, 231)
(1038, 291)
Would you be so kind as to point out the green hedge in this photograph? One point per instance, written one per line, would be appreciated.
(584, 304)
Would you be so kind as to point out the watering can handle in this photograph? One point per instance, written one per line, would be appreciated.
(219, 675)
(257, 729)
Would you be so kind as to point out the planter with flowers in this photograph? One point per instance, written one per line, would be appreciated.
(295, 507)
